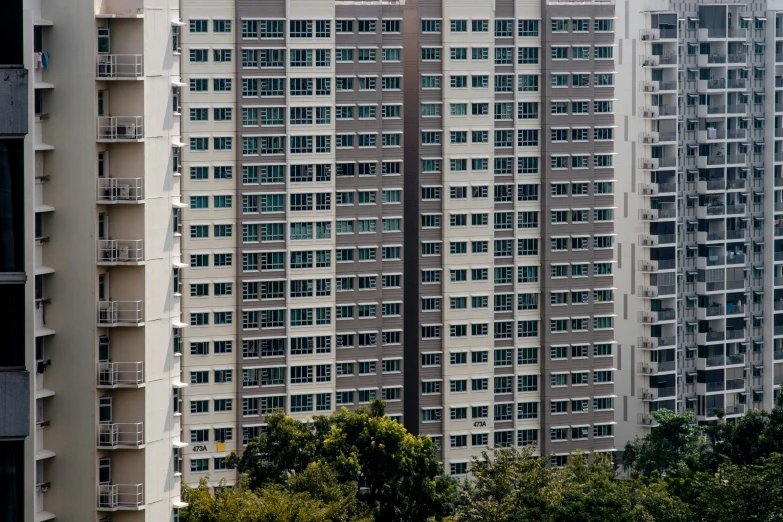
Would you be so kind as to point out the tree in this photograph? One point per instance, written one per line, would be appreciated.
(272, 503)
(395, 474)
(670, 448)
(513, 486)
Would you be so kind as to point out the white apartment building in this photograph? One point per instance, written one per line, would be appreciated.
(699, 108)
(102, 167)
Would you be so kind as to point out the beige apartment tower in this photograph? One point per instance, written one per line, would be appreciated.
(103, 250)
(332, 259)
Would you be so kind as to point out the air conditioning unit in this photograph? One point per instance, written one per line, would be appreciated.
(123, 253)
(107, 316)
(646, 421)
(126, 130)
(123, 191)
(649, 113)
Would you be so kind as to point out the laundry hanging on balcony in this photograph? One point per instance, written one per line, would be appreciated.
(45, 59)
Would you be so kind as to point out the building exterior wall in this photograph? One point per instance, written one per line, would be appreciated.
(697, 266)
(102, 269)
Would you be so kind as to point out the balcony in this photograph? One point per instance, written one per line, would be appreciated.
(734, 409)
(709, 311)
(117, 497)
(656, 60)
(654, 35)
(120, 374)
(714, 386)
(646, 317)
(112, 252)
(654, 266)
(654, 241)
(120, 190)
(736, 108)
(120, 128)
(777, 355)
(735, 384)
(737, 83)
(657, 163)
(647, 368)
(655, 189)
(737, 134)
(736, 184)
(121, 435)
(120, 313)
(652, 343)
(735, 334)
(710, 337)
(657, 86)
(737, 358)
(657, 111)
(644, 419)
(119, 67)
(652, 138)
(665, 212)
(717, 360)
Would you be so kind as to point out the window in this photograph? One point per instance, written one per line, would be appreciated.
(527, 55)
(528, 28)
(390, 26)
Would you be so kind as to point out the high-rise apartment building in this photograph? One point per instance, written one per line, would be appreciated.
(15, 293)
(99, 175)
(513, 187)
(700, 86)
(296, 230)
(294, 226)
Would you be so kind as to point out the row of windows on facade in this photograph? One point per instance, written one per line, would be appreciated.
(503, 28)
(267, 290)
(255, 261)
(275, 87)
(270, 203)
(297, 173)
(276, 58)
(526, 192)
(274, 145)
(524, 329)
(505, 411)
(502, 329)
(524, 138)
(298, 231)
(503, 275)
(276, 116)
(504, 302)
(253, 406)
(276, 376)
(503, 357)
(253, 319)
(505, 248)
(273, 347)
(525, 410)
(296, 28)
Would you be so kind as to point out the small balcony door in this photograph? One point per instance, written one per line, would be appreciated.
(103, 225)
(103, 164)
(103, 349)
(103, 103)
(104, 410)
(104, 40)
(103, 287)
(104, 470)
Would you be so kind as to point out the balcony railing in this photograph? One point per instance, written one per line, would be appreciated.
(735, 334)
(737, 358)
(735, 384)
(112, 128)
(716, 58)
(737, 83)
(120, 251)
(120, 496)
(717, 360)
(737, 108)
(712, 311)
(736, 134)
(117, 374)
(120, 190)
(657, 163)
(777, 355)
(119, 66)
(735, 234)
(121, 435)
(734, 184)
(715, 386)
(114, 313)
(734, 409)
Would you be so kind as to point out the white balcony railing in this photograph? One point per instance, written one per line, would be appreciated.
(114, 313)
(120, 496)
(120, 190)
(121, 435)
(120, 250)
(120, 373)
(120, 128)
(119, 66)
